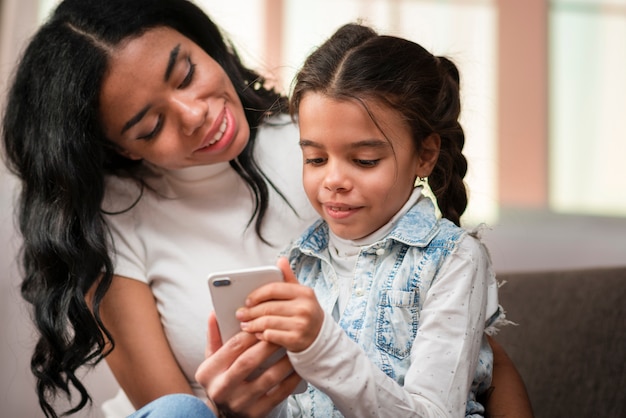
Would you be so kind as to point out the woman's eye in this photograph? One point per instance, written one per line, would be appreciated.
(314, 161)
(157, 128)
(367, 163)
(189, 76)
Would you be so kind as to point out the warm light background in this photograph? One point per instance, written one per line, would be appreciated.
(544, 97)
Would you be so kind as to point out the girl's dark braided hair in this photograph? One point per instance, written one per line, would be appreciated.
(357, 63)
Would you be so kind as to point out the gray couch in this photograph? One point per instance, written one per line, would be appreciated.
(570, 341)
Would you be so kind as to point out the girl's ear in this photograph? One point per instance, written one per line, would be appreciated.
(428, 155)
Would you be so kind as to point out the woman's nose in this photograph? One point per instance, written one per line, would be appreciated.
(192, 113)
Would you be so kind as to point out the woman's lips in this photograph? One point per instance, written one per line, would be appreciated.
(217, 132)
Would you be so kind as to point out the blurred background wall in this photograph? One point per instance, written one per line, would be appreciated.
(544, 102)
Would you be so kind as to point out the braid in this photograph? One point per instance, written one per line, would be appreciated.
(446, 180)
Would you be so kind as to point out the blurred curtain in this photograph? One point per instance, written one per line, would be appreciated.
(18, 20)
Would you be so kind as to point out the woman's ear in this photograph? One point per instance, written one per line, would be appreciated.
(128, 154)
(125, 153)
(428, 155)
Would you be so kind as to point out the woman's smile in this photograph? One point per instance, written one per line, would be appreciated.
(220, 135)
(183, 109)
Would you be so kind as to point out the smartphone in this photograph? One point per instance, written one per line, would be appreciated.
(229, 290)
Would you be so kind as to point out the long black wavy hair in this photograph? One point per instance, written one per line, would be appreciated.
(54, 143)
(357, 63)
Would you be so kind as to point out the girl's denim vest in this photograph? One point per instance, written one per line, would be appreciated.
(390, 275)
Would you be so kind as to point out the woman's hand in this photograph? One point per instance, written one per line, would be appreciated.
(223, 374)
(286, 314)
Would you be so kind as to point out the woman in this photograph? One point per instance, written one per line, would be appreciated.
(148, 156)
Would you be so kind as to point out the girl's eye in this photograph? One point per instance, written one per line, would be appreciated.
(189, 77)
(155, 131)
(314, 161)
(367, 163)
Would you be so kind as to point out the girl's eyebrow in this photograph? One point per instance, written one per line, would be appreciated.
(366, 143)
(168, 72)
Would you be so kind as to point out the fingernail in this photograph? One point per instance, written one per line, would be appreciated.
(239, 313)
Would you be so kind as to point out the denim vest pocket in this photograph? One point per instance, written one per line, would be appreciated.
(397, 321)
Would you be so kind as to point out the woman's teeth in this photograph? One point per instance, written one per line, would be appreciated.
(220, 132)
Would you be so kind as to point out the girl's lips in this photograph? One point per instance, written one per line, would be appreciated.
(338, 211)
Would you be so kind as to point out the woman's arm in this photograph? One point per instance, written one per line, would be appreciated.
(142, 361)
(508, 397)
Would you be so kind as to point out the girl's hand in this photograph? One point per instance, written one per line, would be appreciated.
(223, 374)
(286, 314)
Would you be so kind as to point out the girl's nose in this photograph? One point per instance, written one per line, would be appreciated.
(192, 113)
(336, 178)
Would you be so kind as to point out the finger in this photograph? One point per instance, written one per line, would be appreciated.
(274, 374)
(285, 299)
(258, 400)
(250, 360)
(223, 358)
(283, 265)
(266, 403)
(279, 292)
(294, 340)
(214, 340)
(232, 391)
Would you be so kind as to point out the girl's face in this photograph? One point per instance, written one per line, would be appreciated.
(356, 176)
(168, 102)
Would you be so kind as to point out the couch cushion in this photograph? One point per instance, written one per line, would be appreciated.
(570, 341)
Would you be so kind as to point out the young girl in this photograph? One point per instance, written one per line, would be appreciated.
(404, 297)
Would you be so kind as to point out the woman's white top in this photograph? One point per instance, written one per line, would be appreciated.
(195, 223)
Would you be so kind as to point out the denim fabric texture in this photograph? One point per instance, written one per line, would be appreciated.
(391, 278)
(178, 405)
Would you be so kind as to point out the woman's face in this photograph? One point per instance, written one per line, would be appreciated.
(355, 175)
(166, 101)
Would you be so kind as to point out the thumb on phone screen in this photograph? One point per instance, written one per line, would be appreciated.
(288, 275)
(214, 341)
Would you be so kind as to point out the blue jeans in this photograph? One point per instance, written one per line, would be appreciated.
(178, 405)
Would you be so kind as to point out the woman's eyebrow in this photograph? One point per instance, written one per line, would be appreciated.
(172, 62)
(168, 72)
(133, 121)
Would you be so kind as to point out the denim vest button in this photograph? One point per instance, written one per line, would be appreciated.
(380, 251)
(359, 292)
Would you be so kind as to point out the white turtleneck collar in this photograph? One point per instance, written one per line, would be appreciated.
(345, 248)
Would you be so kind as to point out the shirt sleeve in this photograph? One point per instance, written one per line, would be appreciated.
(125, 246)
(444, 354)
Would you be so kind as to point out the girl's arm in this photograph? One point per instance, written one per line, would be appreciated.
(443, 359)
(142, 361)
